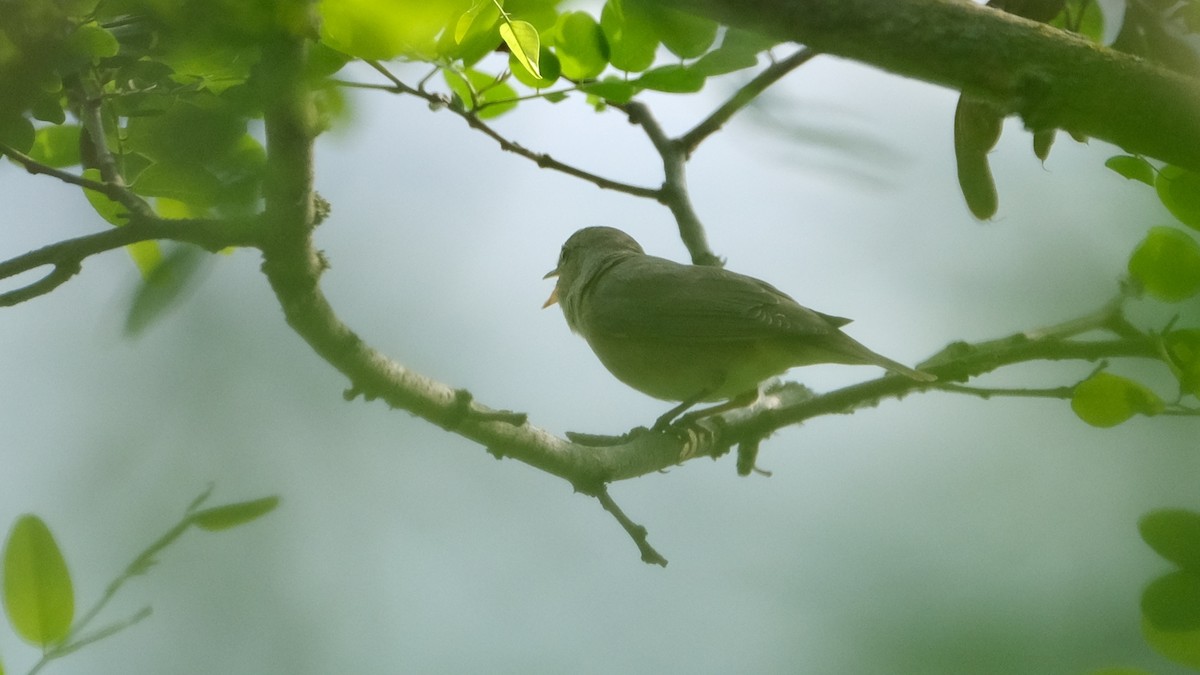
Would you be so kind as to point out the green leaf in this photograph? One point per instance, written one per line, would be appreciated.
(1183, 351)
(685, 35)
(56, 146)
(164, 287)
(673, 79)
(463, 26)
(612, 89)
(38, 595)
(548, 66)
(580, 45)
(721, 61)
(17, 133)
(90, 43)
(1179, 191)
(185, 182)
(232, 515)
(524, 44)
(1131, 167)
(1175, 535)
(112, 211)
(631, 34)
(1106, 400)
(1167, 264)
(1172, 602)
(1181, 647)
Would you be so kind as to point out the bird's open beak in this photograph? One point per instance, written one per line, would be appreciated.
(554, 293)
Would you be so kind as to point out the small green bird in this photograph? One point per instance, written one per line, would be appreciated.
(692, 333)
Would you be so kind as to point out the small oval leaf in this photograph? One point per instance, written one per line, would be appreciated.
(1172, 602)
(1179, 191)
(38, 596)
(1106, 400)
(1133, 168)
(580, 45)
(524, 44)
(1175, 535)
(232, 515)
(1167, 264)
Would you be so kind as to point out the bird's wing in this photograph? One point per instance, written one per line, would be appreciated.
(648, 297)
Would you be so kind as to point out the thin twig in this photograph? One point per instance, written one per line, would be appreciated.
(91, 116)
(674, 194)
(635, 531)
(1017, 392)
(543, 160)
(742, 97)
(67, 256)
(35, 167)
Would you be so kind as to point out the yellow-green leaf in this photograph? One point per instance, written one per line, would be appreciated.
(1179, 646)
(232, 515)
(1106, 400)
(38, 595)
(463, 26)
(112, 211)
(1167, 264)
(522, 40)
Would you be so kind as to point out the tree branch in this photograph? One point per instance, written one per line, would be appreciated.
(66, 257)
(543, 160)
(674, 194)
(1049, 77)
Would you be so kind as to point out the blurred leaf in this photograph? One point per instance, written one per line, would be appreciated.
(1106, 400)
(580, 45)
(200, 129)
(631, 34)
(1179, 190)
(56, 146)
(324, 60)
(48, 108)
(17, 133)
(548, 67)
(685, 35)
(1172, 602)
(370, 29)
(736, 39)
(1181, 647)
(112, 211)
(674, 79)
(463, 25)
(1133, 168)
(184, 182)
(1084, 17)
(1175, 535)
(232, 515)
(613, 90)
(1167, 264)
(90, 43)
(1183, 350)
(38, 595)
(722, 60)
(1119, 671)
(524, 44)
(164, 287)
(1147, 31)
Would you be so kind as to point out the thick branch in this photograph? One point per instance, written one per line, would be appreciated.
(1051, 78)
